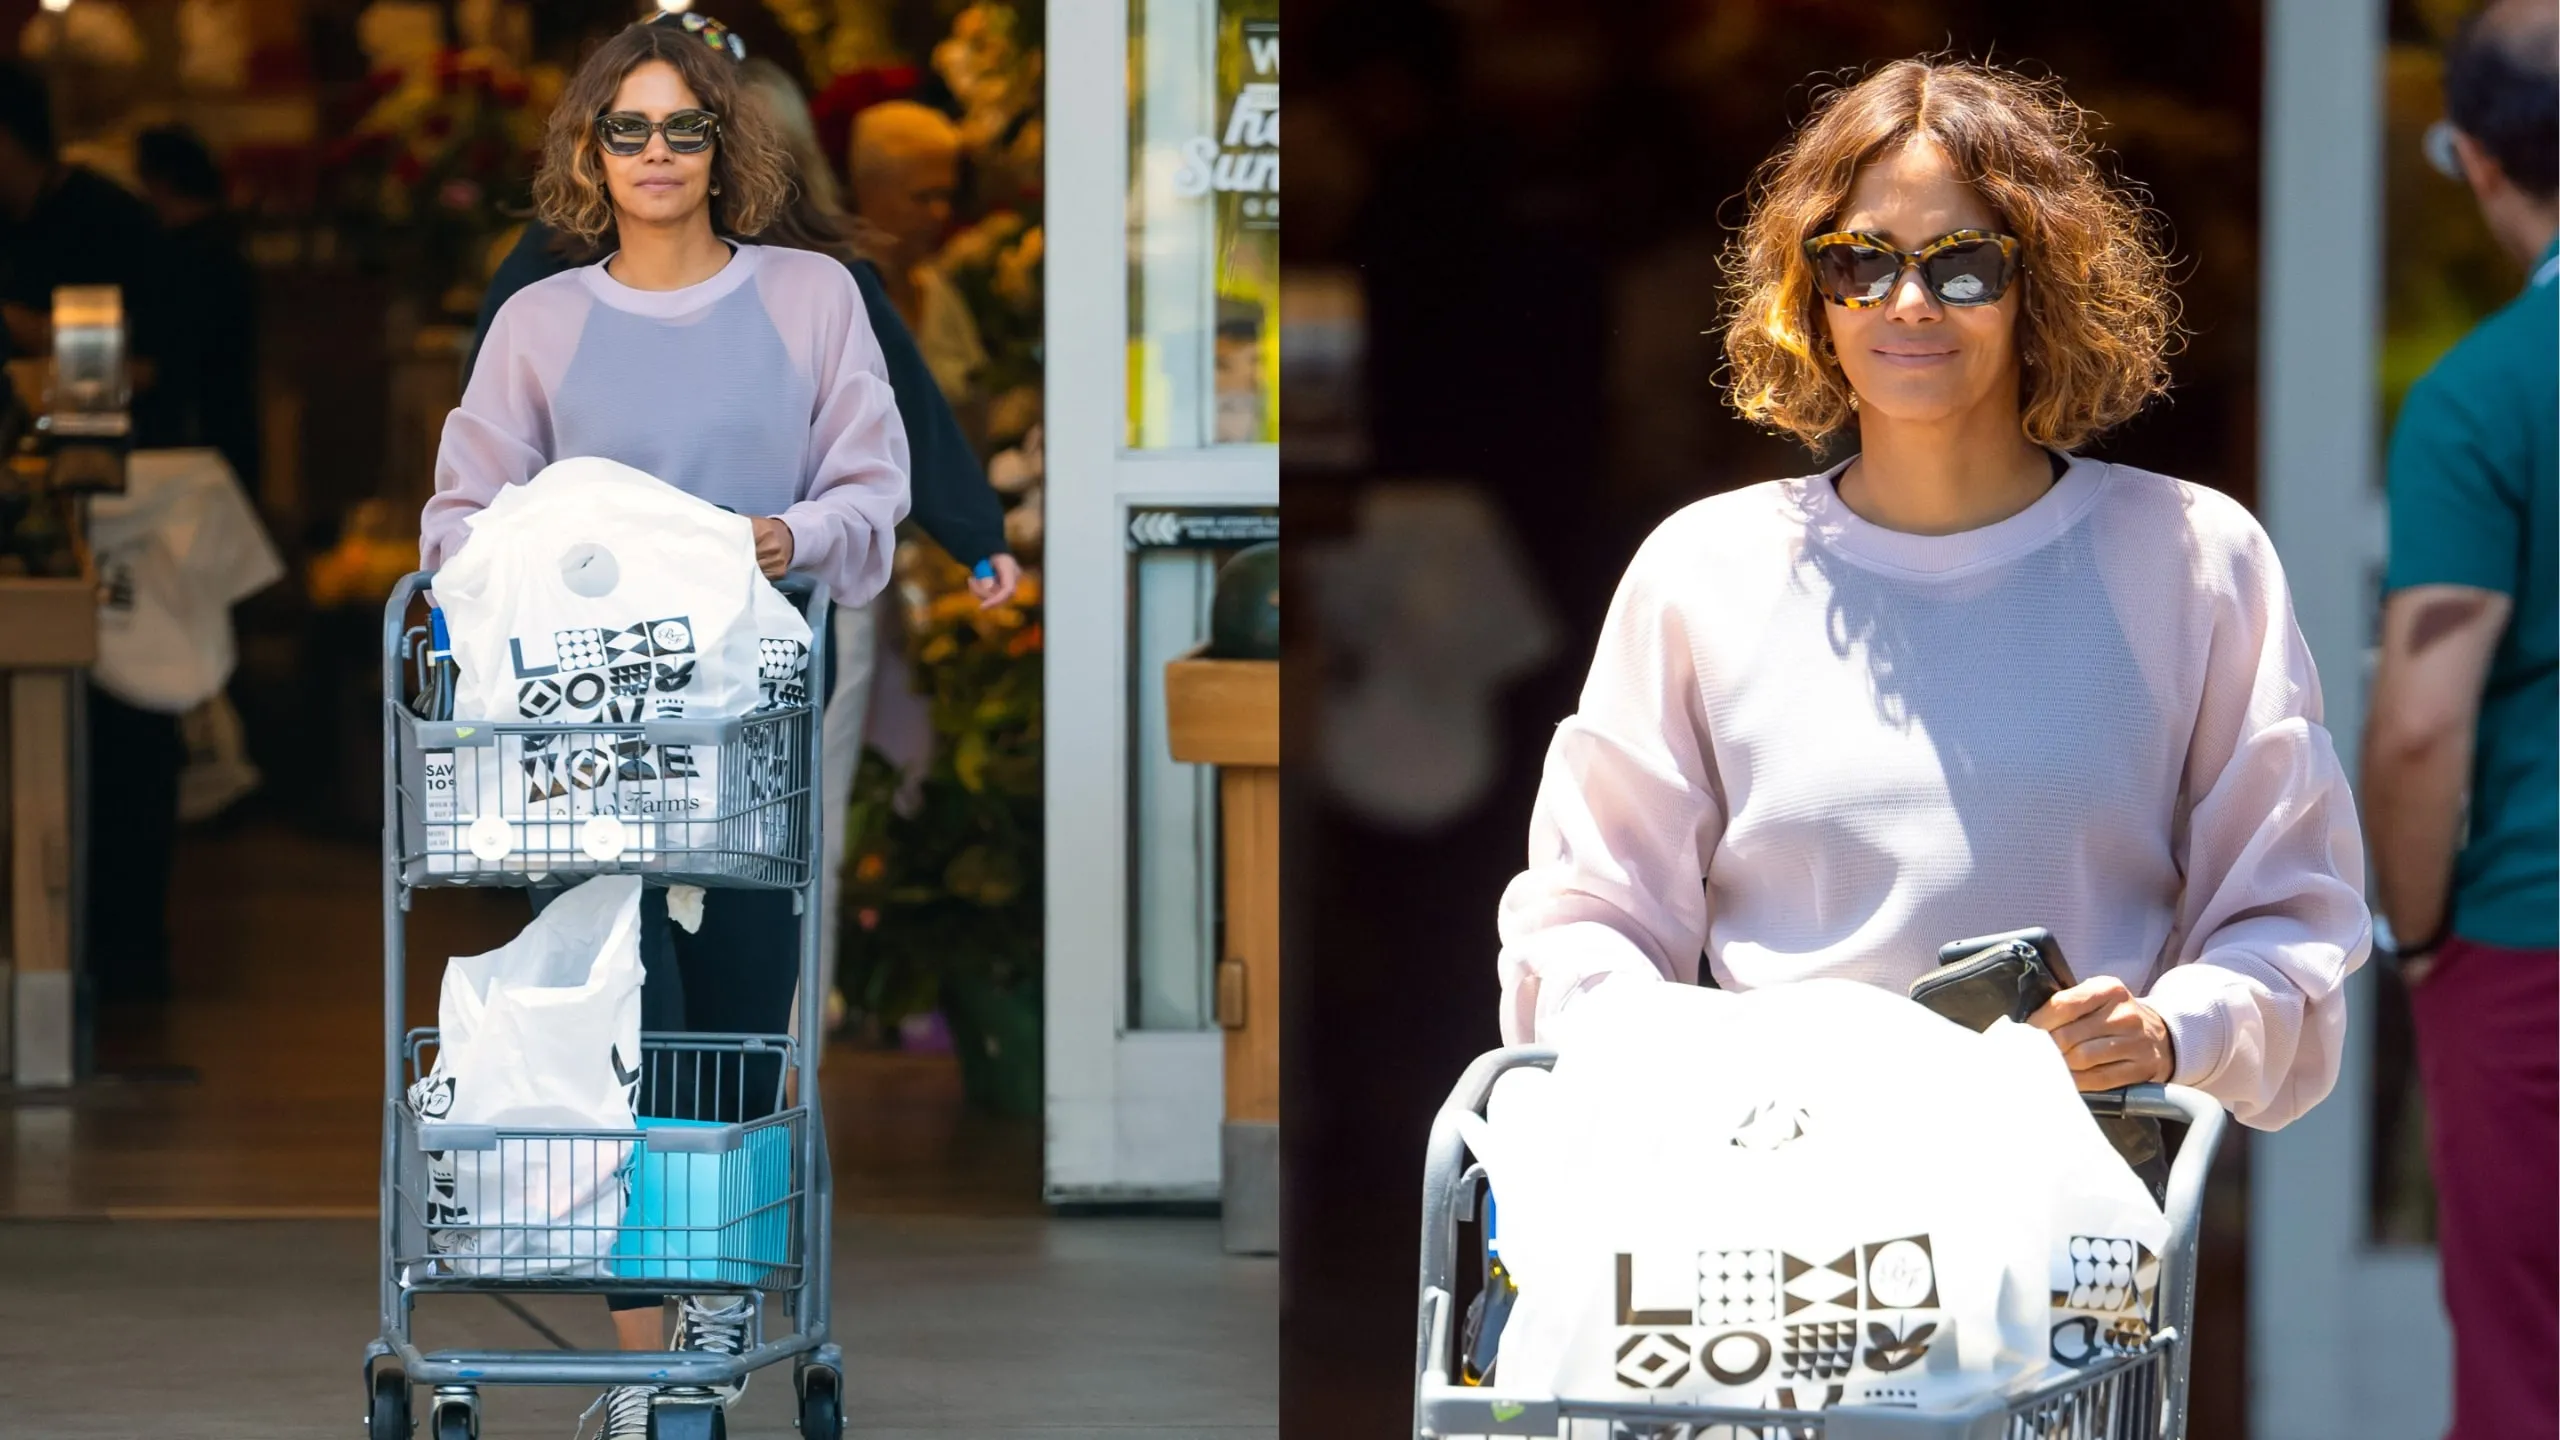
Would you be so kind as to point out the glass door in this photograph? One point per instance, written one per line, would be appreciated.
(1162, 365)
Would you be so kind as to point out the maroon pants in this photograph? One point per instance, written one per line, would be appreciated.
(2488, 1031)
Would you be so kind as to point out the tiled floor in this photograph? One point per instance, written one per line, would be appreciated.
(248, 1330)
(194, 1256)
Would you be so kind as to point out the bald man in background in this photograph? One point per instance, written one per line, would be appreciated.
(2463, 723)
(905, 160)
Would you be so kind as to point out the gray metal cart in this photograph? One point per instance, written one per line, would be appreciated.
(740, 1169)
(2139, 1395)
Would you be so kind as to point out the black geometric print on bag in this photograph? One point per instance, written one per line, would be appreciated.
(536, 699)
(675, 676)
(1653, 1360)
(625, 645)
(1737, 1287)
(671, 636)
(1819, 1286)
(583, 691)
(1901, 1274)
(1825, 1350)
(1897, 1347)
(590, 768)
(2109, 1274)
(1627, 1313)
(1804, 1397)
(780, 659)
(2076, 1342)
(526, 669)
(432, 1098)
(542, 782)
(677, 762)
(629, 680)
(628, 1076)
(1736, 1357)
(444, 1207)
(632, 757)
(580, 648)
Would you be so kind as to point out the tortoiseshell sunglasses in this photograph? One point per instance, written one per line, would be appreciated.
(1962, 267)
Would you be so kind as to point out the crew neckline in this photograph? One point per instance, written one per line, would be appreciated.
(1835, 525)
(743, 260)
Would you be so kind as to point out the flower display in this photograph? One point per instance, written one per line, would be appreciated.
(942, 892)
(439, 164)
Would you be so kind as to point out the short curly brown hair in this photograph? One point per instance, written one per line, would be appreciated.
(2099, 319)
(750, 163)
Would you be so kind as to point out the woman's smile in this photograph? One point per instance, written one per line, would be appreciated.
(1915, 357)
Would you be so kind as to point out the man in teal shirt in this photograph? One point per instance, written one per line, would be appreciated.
(2465, 709)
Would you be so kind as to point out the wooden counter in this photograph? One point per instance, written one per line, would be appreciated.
(1227, 713)
(48, 634)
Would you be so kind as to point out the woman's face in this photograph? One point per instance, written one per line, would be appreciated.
(657, 186)
(1912, 358)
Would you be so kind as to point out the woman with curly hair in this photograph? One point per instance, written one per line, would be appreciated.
(746, 374)
(1966, 680)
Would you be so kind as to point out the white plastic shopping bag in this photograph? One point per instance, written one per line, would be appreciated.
(595, 594)
(542, 1033)
(174, 552)
(1802, 1197)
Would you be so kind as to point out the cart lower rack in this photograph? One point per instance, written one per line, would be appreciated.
(2135, 1396)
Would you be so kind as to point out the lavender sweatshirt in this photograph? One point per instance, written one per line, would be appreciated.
(1811, 746)
(761, 389)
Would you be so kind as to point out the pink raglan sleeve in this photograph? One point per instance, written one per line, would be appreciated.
(844, 529)
(2273, 918)
(501, 432)
(1626, 817)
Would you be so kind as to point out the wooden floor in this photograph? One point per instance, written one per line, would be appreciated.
(257, 1091)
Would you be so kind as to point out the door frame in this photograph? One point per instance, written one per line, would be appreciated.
(1132, 1115)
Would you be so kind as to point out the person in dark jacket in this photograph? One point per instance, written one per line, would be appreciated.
(214, 289)
(950, 499)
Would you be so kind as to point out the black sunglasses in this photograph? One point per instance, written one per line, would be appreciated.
(1963, 267)
(627, 132)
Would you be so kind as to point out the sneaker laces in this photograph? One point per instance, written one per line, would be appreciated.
(721, 1329)
(626, 1413)
(716, 1330)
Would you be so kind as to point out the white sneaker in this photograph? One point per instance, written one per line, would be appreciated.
(721, 1325)
(626, 1413)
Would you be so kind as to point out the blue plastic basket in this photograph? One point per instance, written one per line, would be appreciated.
(717, 1218)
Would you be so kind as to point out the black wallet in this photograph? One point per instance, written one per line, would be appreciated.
(1980, 980)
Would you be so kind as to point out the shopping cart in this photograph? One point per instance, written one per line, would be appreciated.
(2138, 1394)
(732, 1194)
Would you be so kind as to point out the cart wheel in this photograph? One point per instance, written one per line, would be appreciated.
(389, 1417)
(688, 1420)
(455, 1417)
(821, 1404)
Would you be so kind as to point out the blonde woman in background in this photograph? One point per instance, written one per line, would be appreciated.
(906, 170)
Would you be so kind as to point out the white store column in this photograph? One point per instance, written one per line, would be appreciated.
(2345, 1338)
